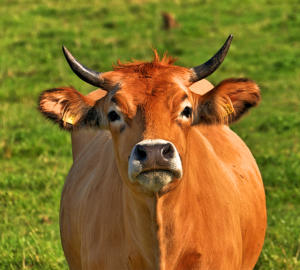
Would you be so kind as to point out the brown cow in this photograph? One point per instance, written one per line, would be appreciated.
(161, 182)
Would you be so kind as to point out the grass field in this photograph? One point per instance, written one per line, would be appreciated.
(35, 155)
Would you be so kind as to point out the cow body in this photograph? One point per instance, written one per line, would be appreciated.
(161, 181)
(104, 226)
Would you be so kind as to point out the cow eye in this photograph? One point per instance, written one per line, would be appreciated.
(113, 116)
(187, 112)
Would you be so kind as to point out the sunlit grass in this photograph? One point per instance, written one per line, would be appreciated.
(35, 155)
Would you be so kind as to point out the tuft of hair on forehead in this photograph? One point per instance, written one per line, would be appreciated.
(145, 67)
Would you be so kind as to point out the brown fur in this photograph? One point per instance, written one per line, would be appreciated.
(214, 217)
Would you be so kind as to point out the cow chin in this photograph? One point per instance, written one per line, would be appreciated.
(154, 180)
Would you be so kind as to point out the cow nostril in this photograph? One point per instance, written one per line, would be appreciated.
(140, 153)
(168, 151)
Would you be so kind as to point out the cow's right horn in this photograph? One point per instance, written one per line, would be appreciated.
(90, 76)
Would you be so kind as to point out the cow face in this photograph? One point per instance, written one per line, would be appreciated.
(149, 111)
(149, 118)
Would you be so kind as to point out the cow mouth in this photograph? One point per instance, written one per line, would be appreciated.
(154, 179)
(174, 173)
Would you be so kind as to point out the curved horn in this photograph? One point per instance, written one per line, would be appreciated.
(212, 64)
(90, 76)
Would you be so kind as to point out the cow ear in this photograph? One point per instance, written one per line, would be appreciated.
(226, 102)
(70, 109)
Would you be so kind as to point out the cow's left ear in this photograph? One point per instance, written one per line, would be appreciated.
(226, 102)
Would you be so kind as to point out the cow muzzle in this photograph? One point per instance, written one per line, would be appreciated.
(153, 164)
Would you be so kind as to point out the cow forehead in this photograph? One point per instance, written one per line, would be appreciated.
(153, 84)
(164, 95)
(150, 74)
(149, 85)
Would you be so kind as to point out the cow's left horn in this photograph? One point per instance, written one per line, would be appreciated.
(204, 70)
(90, 76)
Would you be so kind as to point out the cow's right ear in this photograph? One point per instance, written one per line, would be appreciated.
(70, 109)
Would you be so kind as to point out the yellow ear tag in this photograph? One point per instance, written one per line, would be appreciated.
(69, 120)
(229, 109)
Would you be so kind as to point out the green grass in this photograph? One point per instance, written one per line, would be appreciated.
(35, 155)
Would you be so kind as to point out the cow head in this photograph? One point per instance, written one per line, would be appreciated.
(149, 109)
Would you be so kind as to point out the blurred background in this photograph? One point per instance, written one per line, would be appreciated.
(35, 155)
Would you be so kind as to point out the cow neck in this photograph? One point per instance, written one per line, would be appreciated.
(169, 211)
(151, 228)
(141, 229)
(181, 212)
(173, 210)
